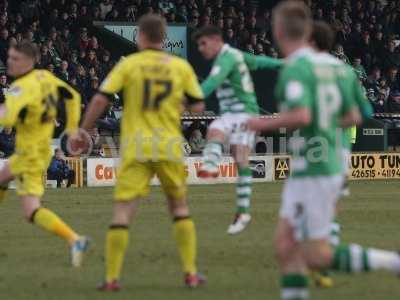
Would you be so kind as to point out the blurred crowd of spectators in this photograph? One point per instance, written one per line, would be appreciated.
(367, 36)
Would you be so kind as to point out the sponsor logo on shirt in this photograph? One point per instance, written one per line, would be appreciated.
(14, 91)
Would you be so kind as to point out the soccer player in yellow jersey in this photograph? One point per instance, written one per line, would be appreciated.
(155, 85)
(30, 107)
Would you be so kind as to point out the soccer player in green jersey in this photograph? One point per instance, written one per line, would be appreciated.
(230, 78)
(317, 97)
(322, 39)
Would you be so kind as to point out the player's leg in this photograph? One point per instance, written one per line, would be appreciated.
(5, 177)
(30, 189)
(350, 258)
(289, 233)
(212, 152)
(117, 240)
(243, 189)
(172, 177)
(323, 279)
(347, 258)
(133, 180)
(242, 141)
(294, 283)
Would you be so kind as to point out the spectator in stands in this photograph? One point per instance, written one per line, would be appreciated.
(339, 53)
(59, 169)
(91, 59)
(384, 88)
(82, 81)
(106, 63)
(197, 142)
(373, 79)
(7, 142)
(230, 38)
(84, 39)
(62, 71)
(391, 57)
(50, 67)
(359, 69)
(379, 104)
(57, 43)
(109, 122)
(4, 37)
(95, 138)
(393, 79)
(45, 57)
(106, 6)
(394, 102)
(4, 86)
(366, 51)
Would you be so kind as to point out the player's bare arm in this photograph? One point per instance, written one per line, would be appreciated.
(293, 119)
(97, 106)
(352, 118)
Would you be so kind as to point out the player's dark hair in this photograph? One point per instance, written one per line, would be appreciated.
(206, 31)
(294, 18)
(28, 48)
(154, 27)
(323, 36)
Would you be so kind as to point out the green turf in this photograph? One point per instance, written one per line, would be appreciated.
(34, 265)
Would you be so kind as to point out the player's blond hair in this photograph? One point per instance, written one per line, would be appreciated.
(294, 19)
(154, 27)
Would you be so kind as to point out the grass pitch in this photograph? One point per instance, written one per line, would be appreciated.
(35, 265)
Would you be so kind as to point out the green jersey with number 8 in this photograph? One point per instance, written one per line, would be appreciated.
(327, 87)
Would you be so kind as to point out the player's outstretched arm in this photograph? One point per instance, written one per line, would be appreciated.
(97, 107)
(257, 62)
(291, 120)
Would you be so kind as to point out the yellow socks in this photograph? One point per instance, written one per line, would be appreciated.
(116, 244)
(49, 221)
(118, 238)
(185, 235)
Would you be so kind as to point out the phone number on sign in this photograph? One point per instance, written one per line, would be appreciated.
(383, 173)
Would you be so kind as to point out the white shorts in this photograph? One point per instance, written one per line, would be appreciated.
(346, 156)
(234, 126)
(308, 204)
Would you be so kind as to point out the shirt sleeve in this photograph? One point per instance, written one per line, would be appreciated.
(72, 101)
(192, 87)
(17, 100)
(256, 62)
(114, 81)
(219, 72)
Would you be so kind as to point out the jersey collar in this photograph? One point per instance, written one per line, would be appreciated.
(153, 49)
(304, 51)
(23, 75)
(224, 48)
